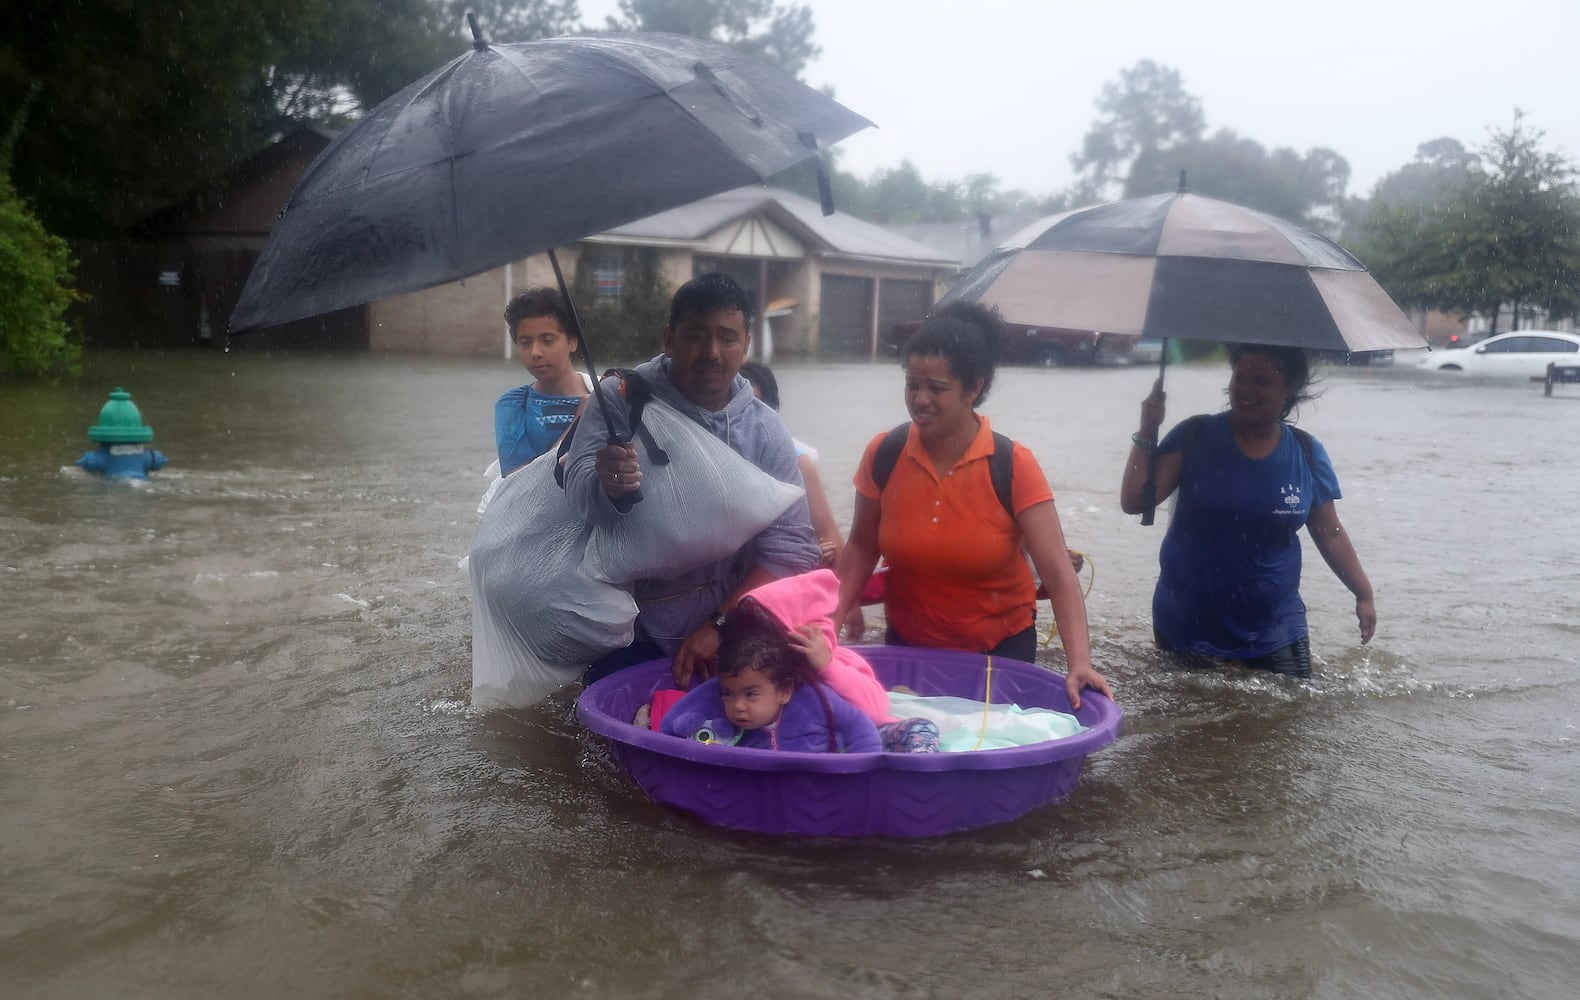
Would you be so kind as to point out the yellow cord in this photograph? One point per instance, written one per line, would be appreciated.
(987, 704)
(1091, 576)
(1091, 579)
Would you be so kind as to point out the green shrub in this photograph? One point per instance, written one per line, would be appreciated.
(37, 286)
(630, 328)
(36, 281)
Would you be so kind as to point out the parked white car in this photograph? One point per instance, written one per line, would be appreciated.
(1146, 351)
(1523, 352)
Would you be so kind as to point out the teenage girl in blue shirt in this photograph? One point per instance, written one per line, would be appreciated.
(1228, 586)
(530, 419)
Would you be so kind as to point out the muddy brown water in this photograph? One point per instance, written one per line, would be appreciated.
(237, 759)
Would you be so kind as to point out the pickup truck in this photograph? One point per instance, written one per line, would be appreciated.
(1037, 345)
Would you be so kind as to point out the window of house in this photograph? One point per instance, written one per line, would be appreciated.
(608, 278)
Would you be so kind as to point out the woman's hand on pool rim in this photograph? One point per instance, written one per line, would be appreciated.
(1084, 676)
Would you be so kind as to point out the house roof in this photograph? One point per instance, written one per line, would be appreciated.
(200, 211)
(834, 235)
(967, 241)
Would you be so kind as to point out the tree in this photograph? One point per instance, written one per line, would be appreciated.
(36, 285)
(780, 34)
(900, 194)
(515, 20)
(1475, 234)
(137, 109)
(36, 282)
(1398, 234)
(625, 327)
(1307, 189)
(1440, 169)
(1150, 128)
(1529, 244)
(1145, 113)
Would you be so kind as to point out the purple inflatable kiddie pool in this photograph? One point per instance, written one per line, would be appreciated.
(858, 795)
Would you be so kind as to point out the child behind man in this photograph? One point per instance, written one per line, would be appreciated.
(529, 419)
(829, 538)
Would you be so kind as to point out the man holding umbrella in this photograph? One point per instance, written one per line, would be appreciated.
(705, 344)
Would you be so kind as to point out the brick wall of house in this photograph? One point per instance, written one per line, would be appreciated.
(462, 318)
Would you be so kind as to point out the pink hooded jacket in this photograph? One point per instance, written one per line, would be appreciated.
(810, 599)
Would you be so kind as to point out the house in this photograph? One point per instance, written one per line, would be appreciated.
(968, 240)
(173, 283)
(825, 284)
(837, 281)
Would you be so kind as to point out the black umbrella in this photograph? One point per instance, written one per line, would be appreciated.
(1180, 265)
(517, 148)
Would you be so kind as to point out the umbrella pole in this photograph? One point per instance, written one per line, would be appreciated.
(629, 500)
(1149, 489)
(581, 339)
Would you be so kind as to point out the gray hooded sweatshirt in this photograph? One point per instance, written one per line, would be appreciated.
(669, 610)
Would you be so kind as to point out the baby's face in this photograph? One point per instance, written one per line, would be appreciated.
(750, 699)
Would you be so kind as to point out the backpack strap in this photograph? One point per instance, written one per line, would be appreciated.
(1307, 444)
(1001, 467)
(888, 454)
(1192, 429)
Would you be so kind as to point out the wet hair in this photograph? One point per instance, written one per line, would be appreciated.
(762, 379)
(968, 336)
(751, 638)
(707, 292)
(1292, 362)
(535, 302)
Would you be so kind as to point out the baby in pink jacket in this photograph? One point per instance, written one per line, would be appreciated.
(804, 605)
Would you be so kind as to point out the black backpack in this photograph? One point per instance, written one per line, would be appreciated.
(1001, 465)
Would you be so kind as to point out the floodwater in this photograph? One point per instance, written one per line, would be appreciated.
(237, 759)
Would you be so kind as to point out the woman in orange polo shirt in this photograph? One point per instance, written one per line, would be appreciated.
(957, 578)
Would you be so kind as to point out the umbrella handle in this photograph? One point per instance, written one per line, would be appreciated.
(479, 40)
(629, 500)
(1149, 489)
(825, 187)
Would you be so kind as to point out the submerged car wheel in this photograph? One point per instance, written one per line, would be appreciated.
(1450, 368)
(1051, 357)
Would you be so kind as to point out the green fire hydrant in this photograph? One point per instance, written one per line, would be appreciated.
(123, 451)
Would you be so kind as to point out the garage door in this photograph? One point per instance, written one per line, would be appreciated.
(845, 322)
(902, 300)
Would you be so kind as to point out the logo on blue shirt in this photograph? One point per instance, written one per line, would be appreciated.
(1290, 494)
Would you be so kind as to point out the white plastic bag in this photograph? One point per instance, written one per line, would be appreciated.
(966, 724)
(538, 619)
(704, 505)
(494, 479)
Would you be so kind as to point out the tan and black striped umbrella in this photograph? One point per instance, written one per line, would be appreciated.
(1180, 265)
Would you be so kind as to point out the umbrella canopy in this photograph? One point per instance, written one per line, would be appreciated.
(1180, 265)
(516, 148)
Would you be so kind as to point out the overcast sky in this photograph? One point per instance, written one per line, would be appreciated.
(1007, 86)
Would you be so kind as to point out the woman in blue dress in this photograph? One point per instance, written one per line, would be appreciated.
(1247, 481)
